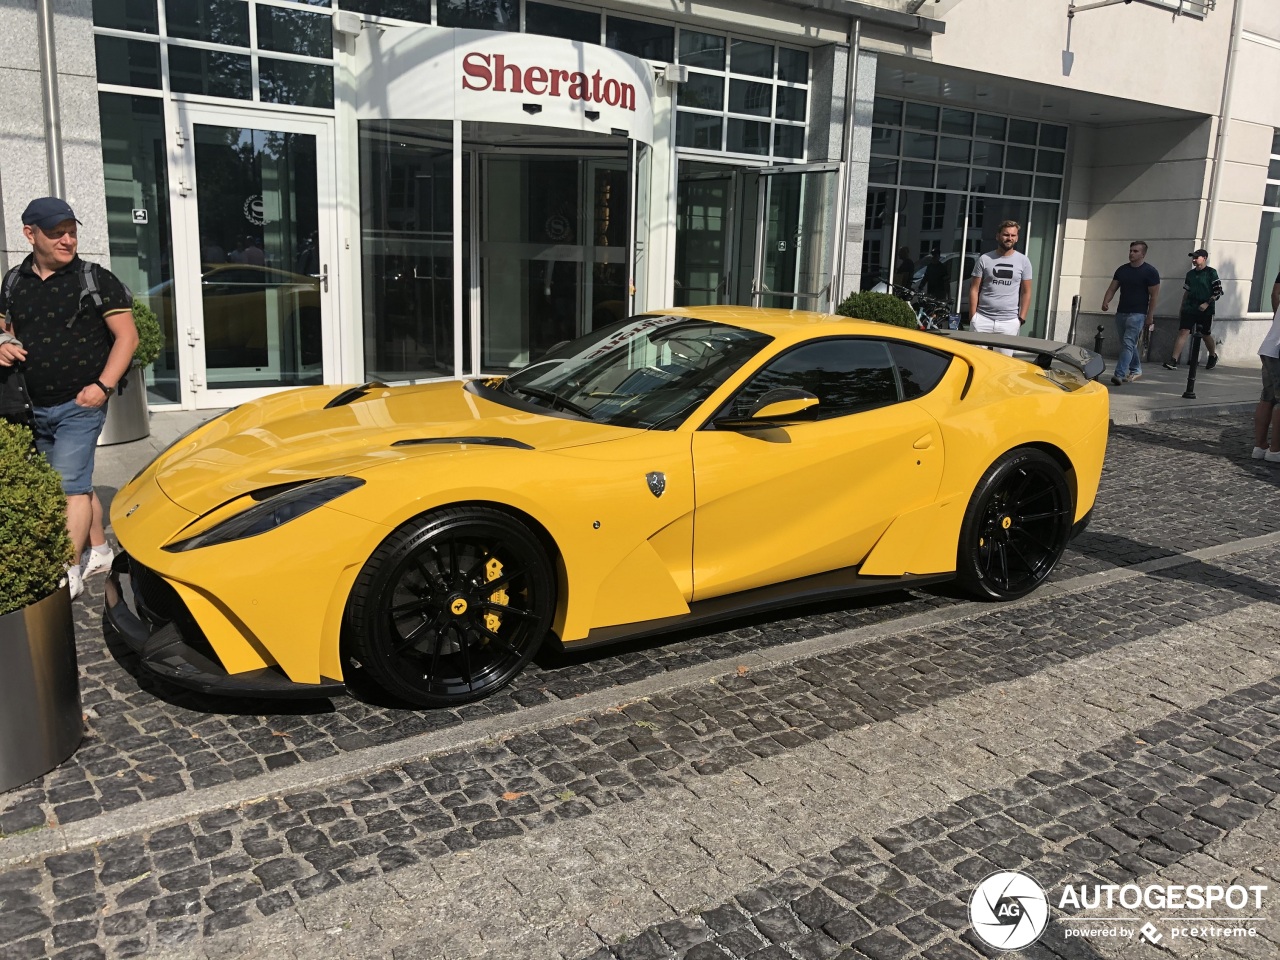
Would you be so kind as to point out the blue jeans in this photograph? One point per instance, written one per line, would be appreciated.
(67, 434)
(1129, 329)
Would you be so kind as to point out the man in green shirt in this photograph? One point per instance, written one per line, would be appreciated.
(1200, 292)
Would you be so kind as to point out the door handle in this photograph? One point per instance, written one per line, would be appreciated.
(924, 443)
(322, 276)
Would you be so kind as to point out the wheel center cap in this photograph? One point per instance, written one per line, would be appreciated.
(1006, 522)
(458, 606)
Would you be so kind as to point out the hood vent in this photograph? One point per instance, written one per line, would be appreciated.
(480, 441)
(355, 393)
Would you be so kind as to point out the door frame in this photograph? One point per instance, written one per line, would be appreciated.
(194, 390)
(766, 175)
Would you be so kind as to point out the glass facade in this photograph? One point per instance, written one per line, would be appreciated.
(1266, 262)
(742, 97)
(138, 221)
(406, 247)
(213, 52)
(942, 181)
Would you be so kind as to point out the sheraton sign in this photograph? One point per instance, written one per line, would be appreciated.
(485, 76)
(483, 71)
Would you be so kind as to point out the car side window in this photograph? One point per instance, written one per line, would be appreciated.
(918, 369)
(847, 375)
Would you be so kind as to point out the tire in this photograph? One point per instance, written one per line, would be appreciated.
(1016, 526)
(450, 607)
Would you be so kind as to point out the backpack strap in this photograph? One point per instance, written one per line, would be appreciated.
(89, 288)
(10, 282)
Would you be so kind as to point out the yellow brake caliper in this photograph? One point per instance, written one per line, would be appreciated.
(492, 571)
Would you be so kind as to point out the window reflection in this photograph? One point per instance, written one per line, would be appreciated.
(294, 31)
(213, 21)
(288, 81)
(479, 14)
(406, 210)
(210, 72)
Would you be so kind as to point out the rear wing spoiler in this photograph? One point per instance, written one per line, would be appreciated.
(1046, 352)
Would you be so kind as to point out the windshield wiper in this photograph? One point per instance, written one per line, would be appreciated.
(552, 398)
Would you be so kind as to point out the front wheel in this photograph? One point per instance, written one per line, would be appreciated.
(450, 607)
(1016, 526)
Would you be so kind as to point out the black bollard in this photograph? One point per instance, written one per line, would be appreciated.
(1192, 358)
(1097, 340)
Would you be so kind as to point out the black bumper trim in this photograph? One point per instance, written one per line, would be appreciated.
(165, 653)
(1079, 526)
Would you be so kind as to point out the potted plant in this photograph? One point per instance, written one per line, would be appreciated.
(881, 307)
(40, 719)
(127, 412)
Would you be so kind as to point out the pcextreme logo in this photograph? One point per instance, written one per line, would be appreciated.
(1010, 910)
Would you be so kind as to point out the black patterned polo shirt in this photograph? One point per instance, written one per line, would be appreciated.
(61, 359)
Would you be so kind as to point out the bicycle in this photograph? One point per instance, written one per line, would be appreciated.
(931, 313)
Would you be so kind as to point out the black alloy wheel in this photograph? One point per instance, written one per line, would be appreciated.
(1016, 526)
(450, 607)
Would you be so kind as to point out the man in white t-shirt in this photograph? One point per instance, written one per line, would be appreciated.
(1000, 288)
(1266, 417)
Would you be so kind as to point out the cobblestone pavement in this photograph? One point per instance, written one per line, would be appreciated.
(831, 784)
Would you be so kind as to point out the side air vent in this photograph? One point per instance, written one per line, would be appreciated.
(481, 441)
(355, 393)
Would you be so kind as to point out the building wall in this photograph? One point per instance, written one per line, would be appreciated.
(1131, 51)
(24, 169)
(1131, 182)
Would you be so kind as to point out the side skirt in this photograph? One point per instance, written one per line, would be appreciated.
(834, 585)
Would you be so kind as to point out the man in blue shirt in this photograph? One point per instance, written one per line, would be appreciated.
(1139, 285)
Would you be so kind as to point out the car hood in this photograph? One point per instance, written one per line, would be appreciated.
(295, 436)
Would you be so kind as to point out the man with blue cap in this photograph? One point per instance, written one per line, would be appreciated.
(72, 330)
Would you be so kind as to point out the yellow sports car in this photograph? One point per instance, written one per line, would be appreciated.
(670, 469)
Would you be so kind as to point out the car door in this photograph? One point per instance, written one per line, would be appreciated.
(785, 502)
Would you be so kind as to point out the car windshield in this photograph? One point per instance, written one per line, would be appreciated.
(645, 372)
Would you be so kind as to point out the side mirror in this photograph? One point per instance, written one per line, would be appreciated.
(779, 407)
(784, 409)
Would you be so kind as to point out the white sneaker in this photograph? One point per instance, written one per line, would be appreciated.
(1259, 453)
(75, 580)
(1271, 457)
(96, 562)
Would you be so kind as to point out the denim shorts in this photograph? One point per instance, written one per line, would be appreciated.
(1270, 379)
(67, 434)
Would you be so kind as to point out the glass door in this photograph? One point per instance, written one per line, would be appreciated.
(553, 256)
(705, 209)
(795, 236)
(253, 291)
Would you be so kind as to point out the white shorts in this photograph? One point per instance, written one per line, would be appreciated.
(980, 324)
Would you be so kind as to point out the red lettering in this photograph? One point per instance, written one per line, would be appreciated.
(476, 66)
(503, 69)
(535, 75)
(481, 71)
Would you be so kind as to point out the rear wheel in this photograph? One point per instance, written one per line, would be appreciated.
(451, 607)
(1016, 526)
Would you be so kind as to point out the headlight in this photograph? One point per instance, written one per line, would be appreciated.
(182, 436)
(270, 514)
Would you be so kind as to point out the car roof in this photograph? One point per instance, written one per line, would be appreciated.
(777, 322)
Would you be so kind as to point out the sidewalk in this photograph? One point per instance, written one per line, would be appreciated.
(1157, 396)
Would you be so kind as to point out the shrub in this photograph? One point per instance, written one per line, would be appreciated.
(34, 546)
(150, 334)
(881, 307)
